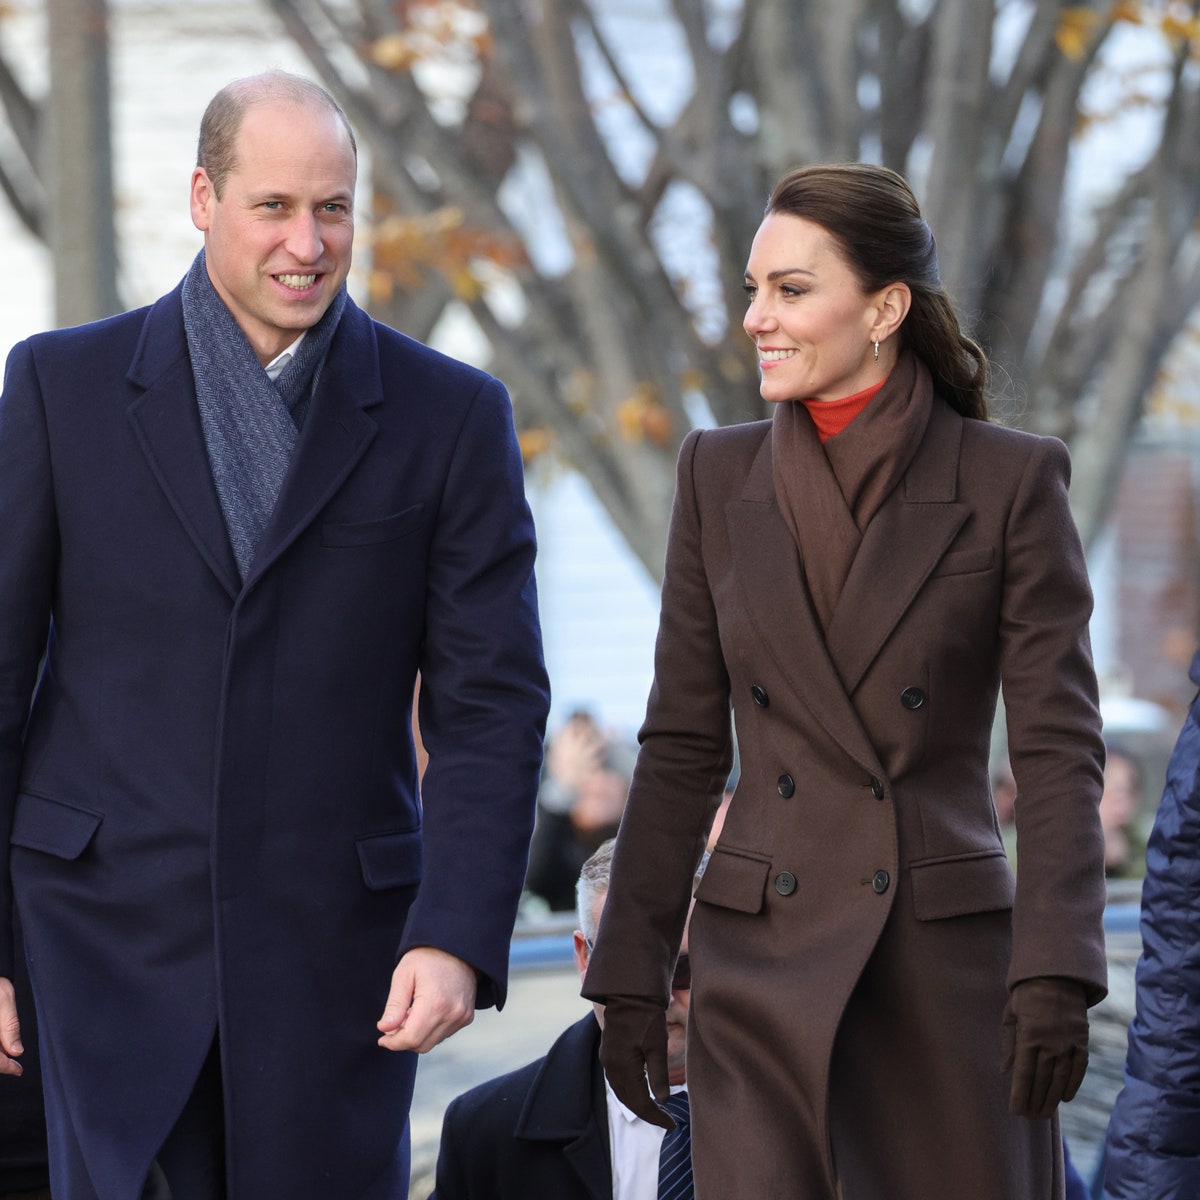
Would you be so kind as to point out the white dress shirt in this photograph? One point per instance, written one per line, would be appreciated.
(275, 367)
(634, 1146)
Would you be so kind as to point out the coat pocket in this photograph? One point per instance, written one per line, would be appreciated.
(369, 533)
(52, 826)
(981, 881)
(734, 880)
(965, 562)
(390, 860)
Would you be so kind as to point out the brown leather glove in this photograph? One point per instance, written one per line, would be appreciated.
(632, 1047)
(1043, 1040)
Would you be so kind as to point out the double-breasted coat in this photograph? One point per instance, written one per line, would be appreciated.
(858, 920)
(212, 818)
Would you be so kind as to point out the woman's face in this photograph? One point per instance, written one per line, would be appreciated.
(813, 325)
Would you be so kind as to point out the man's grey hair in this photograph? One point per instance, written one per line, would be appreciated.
(593, 883)
(216, 151)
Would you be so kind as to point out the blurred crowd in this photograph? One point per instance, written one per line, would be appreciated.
(1123, 813)
(585, 782)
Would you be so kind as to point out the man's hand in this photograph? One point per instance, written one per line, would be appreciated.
(432, 996)
(632, 1047)
(1044, 1039)
(10, 1031)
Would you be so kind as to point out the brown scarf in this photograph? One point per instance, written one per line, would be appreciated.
(828, 494)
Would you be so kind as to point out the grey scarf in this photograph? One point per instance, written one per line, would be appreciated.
(250, 422)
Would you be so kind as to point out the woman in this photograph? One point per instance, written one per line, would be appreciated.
(855, 578)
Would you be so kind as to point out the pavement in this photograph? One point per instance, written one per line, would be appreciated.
(543, 999)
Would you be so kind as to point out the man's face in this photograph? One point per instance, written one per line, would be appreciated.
(278, 240)
(677, 1019)
(677, 1010)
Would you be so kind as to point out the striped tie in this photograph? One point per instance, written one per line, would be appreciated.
(675, 1158)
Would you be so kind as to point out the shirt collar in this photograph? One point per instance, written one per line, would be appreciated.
(629, 1115)
(275, 367)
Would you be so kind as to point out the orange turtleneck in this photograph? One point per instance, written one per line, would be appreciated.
(832, 416)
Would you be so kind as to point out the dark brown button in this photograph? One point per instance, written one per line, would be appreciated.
(877, 788)
(760, 695)
(785, 883)
(787, 786)
(912, 697)
(880, 881)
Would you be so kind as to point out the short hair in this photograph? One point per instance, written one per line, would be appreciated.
(216, 150)
(873, 216)
(593, 883)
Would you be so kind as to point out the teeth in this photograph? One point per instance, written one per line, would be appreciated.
(775, 355)
(299, 282)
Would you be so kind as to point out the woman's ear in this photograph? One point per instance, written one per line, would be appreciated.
(891, 307)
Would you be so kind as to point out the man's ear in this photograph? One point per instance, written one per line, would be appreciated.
(203, 199)
(581, 953)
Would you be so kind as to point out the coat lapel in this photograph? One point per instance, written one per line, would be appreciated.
(335, 436)
(566, 1103)
(767, 565)
(166, 422)
(900, 548)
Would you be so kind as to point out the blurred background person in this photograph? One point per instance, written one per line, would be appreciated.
(1120, 810)
(585, 781)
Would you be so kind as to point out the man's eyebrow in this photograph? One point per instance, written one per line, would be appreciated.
(275, 194)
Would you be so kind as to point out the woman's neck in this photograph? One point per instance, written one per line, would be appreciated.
(832, 416)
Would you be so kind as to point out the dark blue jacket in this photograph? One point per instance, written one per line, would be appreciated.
(213, 816)
(537, 1133)
(1153, 1150)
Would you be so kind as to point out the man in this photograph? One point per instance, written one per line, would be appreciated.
(239, 523)
(553, 1130)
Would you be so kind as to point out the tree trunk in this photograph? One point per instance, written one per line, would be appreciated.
(78, 163)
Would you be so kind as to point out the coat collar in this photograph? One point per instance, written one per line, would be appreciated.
(566, 1104)
(166, 421)
(903, 543)
(901, 547)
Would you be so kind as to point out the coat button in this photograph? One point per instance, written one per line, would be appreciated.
(787, 786)
(785, 883)
(880, 881)
(877, 788)
(760, 695)
(912, 697)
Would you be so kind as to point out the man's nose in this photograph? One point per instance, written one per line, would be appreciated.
(304, 241)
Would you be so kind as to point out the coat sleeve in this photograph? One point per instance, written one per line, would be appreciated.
(1053, 717)
(686, 752)
(1153, 1146)
(483, 704)
(27, 570)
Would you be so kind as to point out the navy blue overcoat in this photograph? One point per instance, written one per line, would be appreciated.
(211, 818)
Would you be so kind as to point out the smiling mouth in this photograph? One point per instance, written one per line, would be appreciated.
(775, 355)
(298, 283)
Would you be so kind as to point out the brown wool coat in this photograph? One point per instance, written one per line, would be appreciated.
(856, 930)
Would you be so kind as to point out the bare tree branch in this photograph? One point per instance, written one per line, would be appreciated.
(607, 350)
